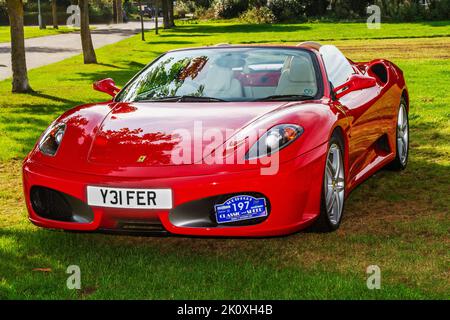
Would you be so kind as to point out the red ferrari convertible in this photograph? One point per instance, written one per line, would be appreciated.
(222, 141)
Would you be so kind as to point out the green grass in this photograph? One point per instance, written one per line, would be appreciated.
(247, 33)
(33, 32)
(398, 221)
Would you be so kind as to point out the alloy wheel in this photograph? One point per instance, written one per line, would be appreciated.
(334, 184)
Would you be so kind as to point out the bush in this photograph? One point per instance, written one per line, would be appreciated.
(204, 13)
(4, 19)
(183, 7)
(258, 16)
(408, 12)
(288, 10)
(440, 10)
(349, 9)
(229, 8)
(100, 13)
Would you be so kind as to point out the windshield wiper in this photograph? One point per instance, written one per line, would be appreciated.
(184, 98)
(285, 97)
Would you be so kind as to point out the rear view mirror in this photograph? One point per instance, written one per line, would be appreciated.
(107, 86)
(354, 83)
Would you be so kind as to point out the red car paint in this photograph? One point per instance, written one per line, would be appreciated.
(102, 142)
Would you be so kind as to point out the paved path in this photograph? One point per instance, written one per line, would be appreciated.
(45, 50)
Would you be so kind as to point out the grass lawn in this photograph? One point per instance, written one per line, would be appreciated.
(398, 221)
(33, 32)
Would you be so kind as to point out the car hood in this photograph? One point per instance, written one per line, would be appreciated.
(160, 134)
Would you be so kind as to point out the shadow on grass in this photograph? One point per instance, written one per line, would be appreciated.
(436, 23)
(187, 268)
(302, 265)
(170, 35)
(50, 97)
(172, 42)
(192, 30)
(120, 75)
(28, 122)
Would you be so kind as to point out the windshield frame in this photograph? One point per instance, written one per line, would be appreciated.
(314, 59)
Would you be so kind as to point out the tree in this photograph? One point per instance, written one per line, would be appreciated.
(316, 8)
(171, 13)
(119, 9)
(19, 65)
(54, 14)
(86, 39)
(114, 2)
(165, 12)
(156, 17)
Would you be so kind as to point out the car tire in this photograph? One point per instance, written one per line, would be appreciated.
(401, 139)
(333, 186)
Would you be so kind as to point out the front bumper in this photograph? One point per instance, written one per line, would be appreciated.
(294, 194)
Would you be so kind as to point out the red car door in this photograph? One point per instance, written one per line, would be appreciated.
(369, 110)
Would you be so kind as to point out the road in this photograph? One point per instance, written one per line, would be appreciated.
(46, 50)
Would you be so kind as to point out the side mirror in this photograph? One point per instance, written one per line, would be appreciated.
(107, 86)
(354, 83)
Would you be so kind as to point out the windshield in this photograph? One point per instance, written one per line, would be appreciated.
(226, 74)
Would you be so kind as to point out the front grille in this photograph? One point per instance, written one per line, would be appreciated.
(137, 227)
(141, 226)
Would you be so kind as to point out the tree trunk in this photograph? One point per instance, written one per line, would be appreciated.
(114, 2)
(54, 14)
(18, 62)
(142, 20)
(156, 17)
(171, 14)
(165, 12)
(86, 40)
(119, 11)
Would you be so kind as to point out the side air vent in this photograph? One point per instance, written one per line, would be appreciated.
(55, 205)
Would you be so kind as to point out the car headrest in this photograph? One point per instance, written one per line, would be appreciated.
(230, 61)
(300, 70)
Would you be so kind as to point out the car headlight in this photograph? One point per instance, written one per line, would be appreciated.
(51, 139)
(275, 139)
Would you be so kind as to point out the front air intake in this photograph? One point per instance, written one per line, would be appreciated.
(56, 205)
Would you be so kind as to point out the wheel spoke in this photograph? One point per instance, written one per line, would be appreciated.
(329, 174)
(330, 167)
(404, 127)
(404, 147)
(332, 202)
(400, 118)
(400, 146)
(405, 137)
(336, 207)
(335, 157)
(338, 165)
(329, 200)
(340, 197)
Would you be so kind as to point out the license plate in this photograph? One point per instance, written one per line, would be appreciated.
(129, 198)
(240, 208)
